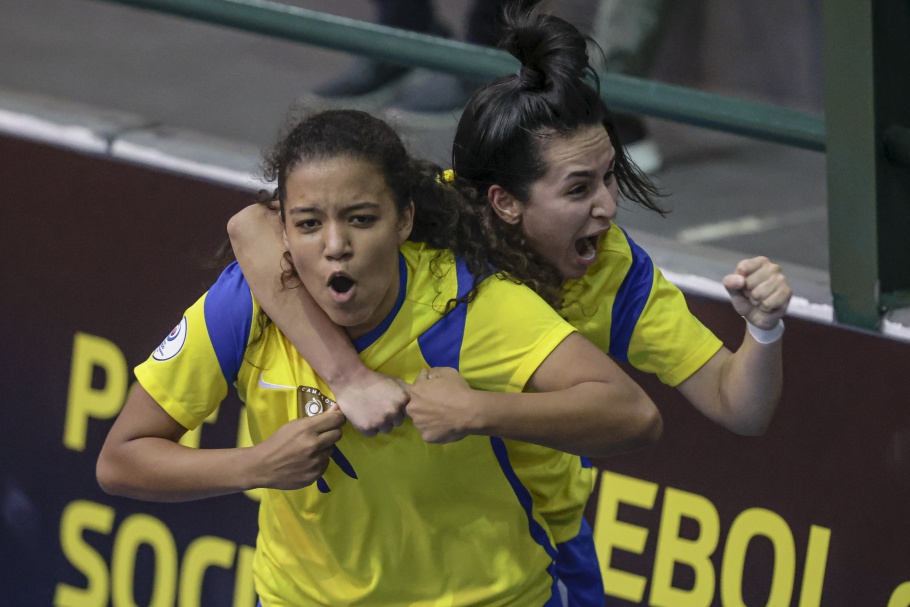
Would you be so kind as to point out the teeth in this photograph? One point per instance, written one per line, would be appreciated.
(586, 248)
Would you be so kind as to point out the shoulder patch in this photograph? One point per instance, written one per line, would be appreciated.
(172, 344)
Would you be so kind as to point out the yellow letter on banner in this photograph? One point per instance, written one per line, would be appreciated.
(816, 561)
(202, 553)
(901, 596)
(77, 517)
(244, 592)
(84, 401)
(610, 533)
(749, 524)
(136, 530)
(672, 549)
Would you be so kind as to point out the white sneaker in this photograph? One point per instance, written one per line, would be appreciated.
(645, 154)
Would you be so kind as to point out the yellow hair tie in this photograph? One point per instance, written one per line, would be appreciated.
(448, 176)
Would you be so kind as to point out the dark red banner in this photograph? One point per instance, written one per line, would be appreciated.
(100, 260)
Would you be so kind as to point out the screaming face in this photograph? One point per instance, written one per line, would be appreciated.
(573, 204)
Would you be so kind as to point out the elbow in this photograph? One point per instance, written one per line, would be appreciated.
(235, 230)
(245, 226)
(651, 425)
(110, 477)
(106, 478)
(752, 427)
(238, 226)
(646, 425)
(641, 427)
(756, 420)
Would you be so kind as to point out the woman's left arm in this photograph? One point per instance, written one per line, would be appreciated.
(741, 390)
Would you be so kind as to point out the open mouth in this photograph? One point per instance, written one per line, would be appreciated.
(587, 247)
(341, 283)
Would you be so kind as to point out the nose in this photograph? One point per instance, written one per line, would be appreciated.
(604, 204)
(337, 244)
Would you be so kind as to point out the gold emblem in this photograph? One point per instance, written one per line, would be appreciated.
(311, 401)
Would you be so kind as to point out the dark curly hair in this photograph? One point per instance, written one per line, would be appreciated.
(439, 221)
(502, 134)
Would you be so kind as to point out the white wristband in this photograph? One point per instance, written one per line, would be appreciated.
(766, 336)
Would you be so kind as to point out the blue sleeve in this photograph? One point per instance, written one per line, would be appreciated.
(630, 301)
(229, 319)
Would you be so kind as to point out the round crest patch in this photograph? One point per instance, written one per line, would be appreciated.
(311, 401)
(313, 407)
(173, 343)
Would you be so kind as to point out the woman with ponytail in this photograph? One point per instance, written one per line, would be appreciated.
(539, 153)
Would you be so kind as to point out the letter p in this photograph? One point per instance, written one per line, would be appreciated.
(85, 401)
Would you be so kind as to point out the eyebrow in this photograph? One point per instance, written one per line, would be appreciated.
(587, 173)
(575, 174)
(351, 208)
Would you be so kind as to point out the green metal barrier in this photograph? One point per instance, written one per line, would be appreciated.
(868, 176)
(867, 100)
(752, 119)
(897, 146)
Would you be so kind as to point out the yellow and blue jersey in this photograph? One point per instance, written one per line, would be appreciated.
(393, 520)
(625, 306)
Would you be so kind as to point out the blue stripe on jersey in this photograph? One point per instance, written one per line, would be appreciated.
(523, 495)
(365, 341)
(578, 569)
(630, 301)
(441, 343)
(229, 318)
(555, 599)
(342, 462)
(585, 462)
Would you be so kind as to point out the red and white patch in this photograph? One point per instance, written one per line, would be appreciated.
(172, 344)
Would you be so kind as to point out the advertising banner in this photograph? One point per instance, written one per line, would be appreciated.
(101, 258)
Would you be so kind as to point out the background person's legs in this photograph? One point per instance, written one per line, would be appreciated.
(440, 93)
(628, 32)
(371, 77)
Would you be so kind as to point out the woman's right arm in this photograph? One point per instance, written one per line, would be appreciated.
(371, 401)
(581, 402)
(142, 459)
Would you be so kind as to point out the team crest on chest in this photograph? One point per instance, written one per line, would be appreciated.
(311, 401)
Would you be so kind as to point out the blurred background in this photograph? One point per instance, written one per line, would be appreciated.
(728, 196)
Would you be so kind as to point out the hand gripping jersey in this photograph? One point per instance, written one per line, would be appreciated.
(628, 309)
(394, 520)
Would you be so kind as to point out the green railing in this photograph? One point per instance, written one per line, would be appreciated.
(870, 261)
(867, 106)
(758, 120)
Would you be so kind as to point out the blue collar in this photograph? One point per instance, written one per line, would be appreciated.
(365, 341)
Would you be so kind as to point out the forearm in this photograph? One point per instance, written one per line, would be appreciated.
(323, 344)
(750, 386)
(743, 392)
(593, 419)
(158, 469)
(255, 236)
(141, 458)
